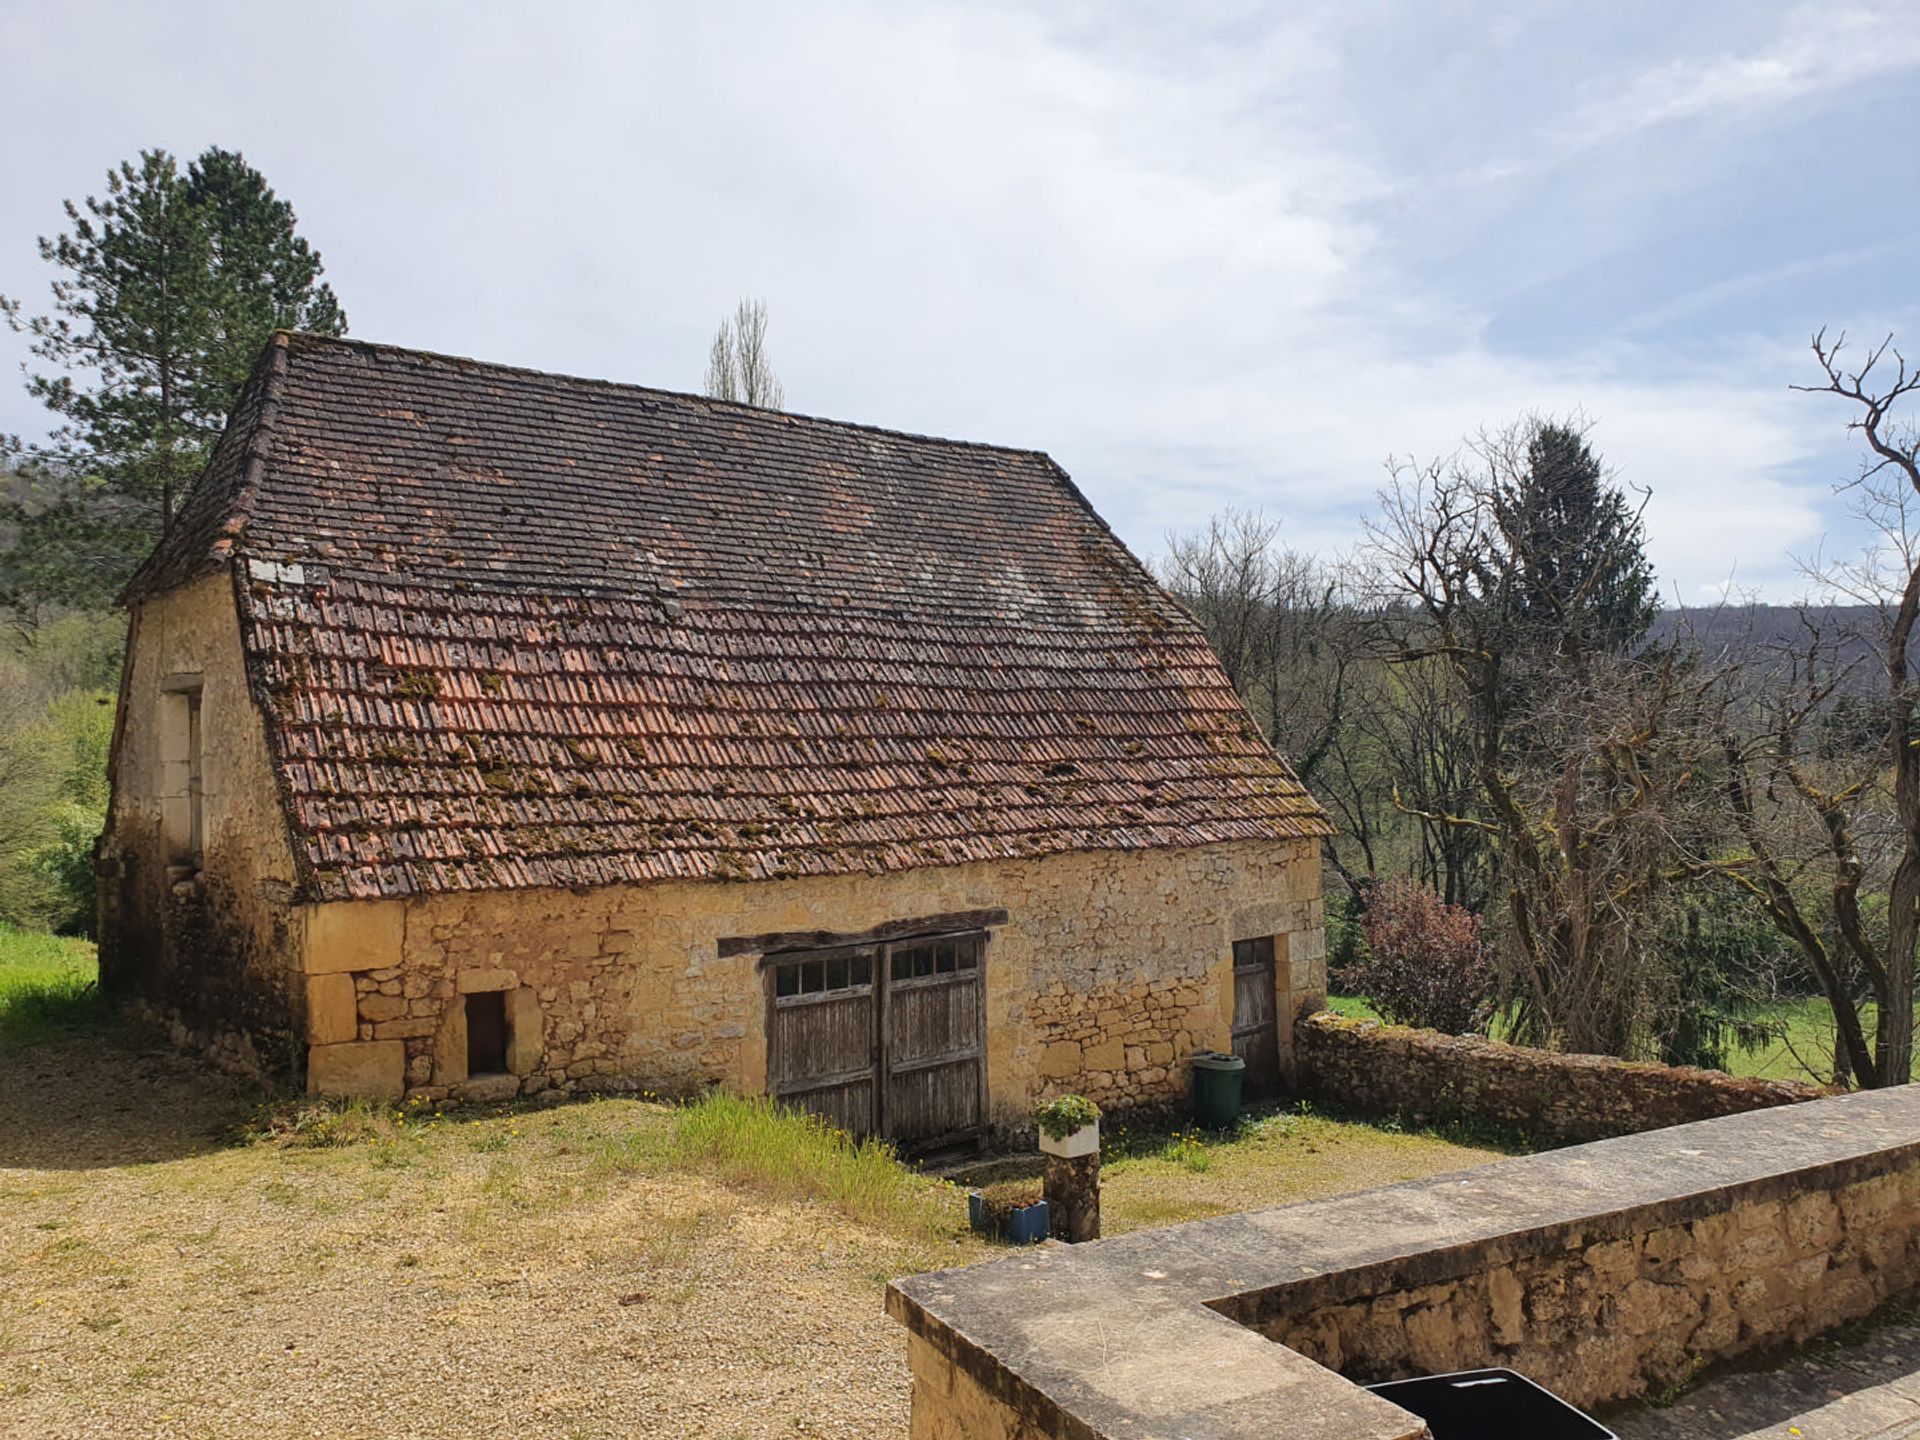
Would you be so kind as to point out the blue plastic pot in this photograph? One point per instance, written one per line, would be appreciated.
(1028, 1225)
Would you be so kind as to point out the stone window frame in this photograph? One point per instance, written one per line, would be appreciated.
(182, 773)
(526, 1027)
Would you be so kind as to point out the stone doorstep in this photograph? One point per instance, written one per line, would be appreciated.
(1141, 1334)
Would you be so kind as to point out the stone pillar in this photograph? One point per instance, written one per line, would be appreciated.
(1073, 1182)
(1073, 1196)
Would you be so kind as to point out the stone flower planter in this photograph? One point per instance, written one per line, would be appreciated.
(1074, 1144)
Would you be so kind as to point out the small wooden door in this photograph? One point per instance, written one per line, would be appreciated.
(1256, 1028)
(886, 1039)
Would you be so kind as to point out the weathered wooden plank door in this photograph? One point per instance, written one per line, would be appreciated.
(886, 1039)
(822, 1036)
(1256, 1028)
(933, 1029)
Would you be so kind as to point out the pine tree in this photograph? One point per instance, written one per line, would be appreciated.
(1582, 580)
(170, 286)
(265, 276)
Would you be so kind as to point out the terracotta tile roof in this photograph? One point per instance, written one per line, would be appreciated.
(514, 629)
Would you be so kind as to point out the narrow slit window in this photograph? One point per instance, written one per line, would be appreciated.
(182, 775)
(196, 786)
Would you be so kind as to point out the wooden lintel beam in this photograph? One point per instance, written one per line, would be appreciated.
(785, 940)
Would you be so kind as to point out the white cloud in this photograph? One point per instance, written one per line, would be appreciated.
(1168, 250)
(1820, 47)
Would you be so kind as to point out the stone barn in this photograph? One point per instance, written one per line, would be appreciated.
(487, 732)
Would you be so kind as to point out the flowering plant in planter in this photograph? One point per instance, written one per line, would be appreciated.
(1069, 1126)
(1059, 1118)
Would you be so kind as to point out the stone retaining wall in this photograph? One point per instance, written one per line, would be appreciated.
(1604, 1271)
(1553, 1098)
(1609, 1319)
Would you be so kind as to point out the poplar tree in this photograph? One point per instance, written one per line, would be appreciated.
(738, 367)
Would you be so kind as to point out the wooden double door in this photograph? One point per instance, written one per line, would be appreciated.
(883, 1039)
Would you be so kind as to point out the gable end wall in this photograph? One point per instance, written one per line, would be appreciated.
(215, 954)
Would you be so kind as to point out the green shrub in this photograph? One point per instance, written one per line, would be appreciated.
(65, 865)
(53, 798)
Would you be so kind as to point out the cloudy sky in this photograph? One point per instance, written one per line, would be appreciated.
(1207, 254)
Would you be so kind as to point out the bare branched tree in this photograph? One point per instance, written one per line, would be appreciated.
(738, 366)
(1584, 760)
(1832, 833)
(1289, 639)
(1303, 651)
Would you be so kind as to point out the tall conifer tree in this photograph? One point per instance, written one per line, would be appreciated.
(170, 284)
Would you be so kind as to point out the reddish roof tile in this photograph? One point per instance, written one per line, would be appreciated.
(515, 629)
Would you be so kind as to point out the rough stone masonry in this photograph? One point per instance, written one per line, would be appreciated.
(1602, 1270)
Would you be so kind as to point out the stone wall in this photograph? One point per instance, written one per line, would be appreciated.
(213, 953)
(1112, 967)
(1642, 1311)
(1551, 1097)
(1604, 1271)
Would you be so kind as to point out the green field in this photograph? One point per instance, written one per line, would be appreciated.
(48, 985)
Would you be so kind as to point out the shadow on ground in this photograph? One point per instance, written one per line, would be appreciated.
(1879, 1356)
(109, 1095)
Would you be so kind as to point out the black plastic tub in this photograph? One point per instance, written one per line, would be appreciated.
(1490, 1405)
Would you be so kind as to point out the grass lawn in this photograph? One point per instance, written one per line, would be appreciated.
(181, 1257)
(47, 985)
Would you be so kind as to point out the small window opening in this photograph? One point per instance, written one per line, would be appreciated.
(183, 776)
(824, 976)
(1249, 953)
(487, 1033)
(936, 957)
(196, 787)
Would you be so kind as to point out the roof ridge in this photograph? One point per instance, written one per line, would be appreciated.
(175, 548)
(273, 383)
(308, 337)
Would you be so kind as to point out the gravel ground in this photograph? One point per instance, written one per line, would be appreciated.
(486, 1275)
(488, 1279)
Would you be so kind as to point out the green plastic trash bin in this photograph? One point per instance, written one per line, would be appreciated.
(1217, 1080)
